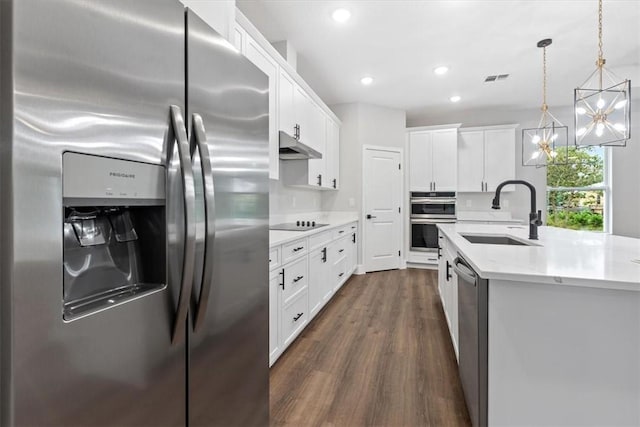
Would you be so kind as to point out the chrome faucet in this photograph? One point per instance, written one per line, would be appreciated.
(535, 217)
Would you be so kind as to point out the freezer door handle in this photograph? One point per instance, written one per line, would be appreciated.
(210, 225)
(188, 186)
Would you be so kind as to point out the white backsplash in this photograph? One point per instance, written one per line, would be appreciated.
(285, 200)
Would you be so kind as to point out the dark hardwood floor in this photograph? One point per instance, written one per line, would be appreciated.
(379, 354)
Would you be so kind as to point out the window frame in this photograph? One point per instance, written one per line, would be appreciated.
(605, 188)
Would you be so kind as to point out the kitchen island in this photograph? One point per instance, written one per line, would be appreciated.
(562, 323)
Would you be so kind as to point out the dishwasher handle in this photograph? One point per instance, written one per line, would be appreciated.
(463, 270)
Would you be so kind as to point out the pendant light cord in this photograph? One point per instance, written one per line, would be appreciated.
(544, 78)
(600, 63)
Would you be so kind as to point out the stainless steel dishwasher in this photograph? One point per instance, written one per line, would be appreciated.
(473, 336)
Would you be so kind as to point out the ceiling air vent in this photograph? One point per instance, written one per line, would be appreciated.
(496, 78)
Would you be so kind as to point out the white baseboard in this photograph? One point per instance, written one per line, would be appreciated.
(360, 270)
(422, 266)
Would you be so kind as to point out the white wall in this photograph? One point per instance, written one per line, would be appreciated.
(362, 124)
(625, 179)
(625, 165)
(219, 14)
(285, 200)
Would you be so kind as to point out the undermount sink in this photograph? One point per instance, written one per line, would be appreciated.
(489, 239)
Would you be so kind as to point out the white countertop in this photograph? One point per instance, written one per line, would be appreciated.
(568, 257)
(278, 237)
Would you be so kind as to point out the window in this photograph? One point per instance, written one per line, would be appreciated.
(578, 193)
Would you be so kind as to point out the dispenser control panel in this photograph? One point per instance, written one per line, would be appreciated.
(96, 180)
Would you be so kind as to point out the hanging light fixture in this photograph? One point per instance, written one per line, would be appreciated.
(602, 105)
(547, 144)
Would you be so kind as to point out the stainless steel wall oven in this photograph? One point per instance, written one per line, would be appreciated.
(427, 210)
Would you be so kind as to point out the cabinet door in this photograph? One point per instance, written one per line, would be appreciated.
(319, 271)
(261, 59)
(304, 116)
(353, 251)
(317, 135)
(471, 162)
(445, 159)
(332, 155)
(441, 269)
(499, 158)
(454, 311)
(286, 112)
(294, 317)
(275, 279)
(420, 161)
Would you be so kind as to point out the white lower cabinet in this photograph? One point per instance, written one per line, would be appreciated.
(274, 340)
(319, 274)
(294, 317)
(313, 269)
(448, 288)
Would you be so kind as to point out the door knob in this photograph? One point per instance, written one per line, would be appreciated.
(369, 216)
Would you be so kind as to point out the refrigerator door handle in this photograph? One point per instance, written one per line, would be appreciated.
(188, 260)
(210, 225)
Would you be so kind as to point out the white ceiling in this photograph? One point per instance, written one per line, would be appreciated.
(399, 43)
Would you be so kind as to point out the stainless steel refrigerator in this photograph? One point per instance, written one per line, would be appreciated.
(134, 218)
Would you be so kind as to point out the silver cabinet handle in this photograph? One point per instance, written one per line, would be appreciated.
(210, 223)
(180, 137)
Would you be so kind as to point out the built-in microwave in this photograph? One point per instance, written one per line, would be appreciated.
(433, 205)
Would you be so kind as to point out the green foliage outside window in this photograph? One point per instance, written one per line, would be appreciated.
(576, 209)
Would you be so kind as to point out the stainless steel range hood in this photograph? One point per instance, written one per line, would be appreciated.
(292, 149)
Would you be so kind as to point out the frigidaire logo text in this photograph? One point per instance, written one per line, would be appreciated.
(123, 175)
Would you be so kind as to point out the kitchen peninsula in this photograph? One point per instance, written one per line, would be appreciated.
(561, 318)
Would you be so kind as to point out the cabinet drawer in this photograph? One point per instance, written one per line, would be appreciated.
(341, 231)
(294, 317)
(295, 279)
(339, 271)
(339, 248)
(293, 250)
(274, 258)
(320, 239)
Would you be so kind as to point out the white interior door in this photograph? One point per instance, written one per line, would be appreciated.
(382, 200)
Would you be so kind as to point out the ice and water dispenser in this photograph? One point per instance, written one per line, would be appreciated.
(114, 232)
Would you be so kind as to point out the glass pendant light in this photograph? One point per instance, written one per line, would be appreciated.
(602, 105)
(547, 144)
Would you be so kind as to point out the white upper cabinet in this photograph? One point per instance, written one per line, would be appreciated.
(486, 157)
(499, 158)
(317, 139)
(294, 109)
(420, 171)
(261, 59)
(444, 156)
(332, 155)
(433, 159)
(286, 109)
(471, 162)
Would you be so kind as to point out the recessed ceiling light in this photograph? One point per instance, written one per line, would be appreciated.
(455, 98)
(341, 15)
(441, 70)
(366, 81)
